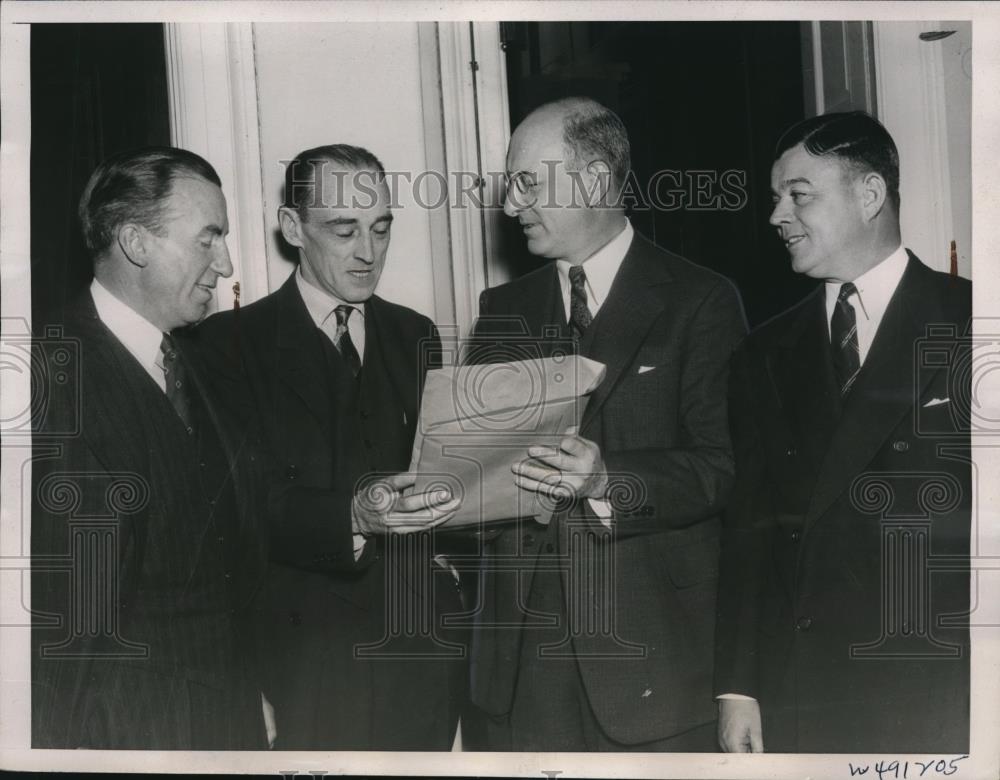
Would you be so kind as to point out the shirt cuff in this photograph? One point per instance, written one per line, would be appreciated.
(359, 546)
(602, 509)
(735, 696)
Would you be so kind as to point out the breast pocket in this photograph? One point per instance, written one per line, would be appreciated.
(641, 412)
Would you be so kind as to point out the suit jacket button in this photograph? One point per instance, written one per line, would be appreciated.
(796, 536)
(291, 472)
(790, 452)
(803, 623)
(901, 446)
(364, 414)
(295, 618)
(529, 539)
(549, 547)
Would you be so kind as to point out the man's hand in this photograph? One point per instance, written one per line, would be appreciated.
(380, 507)
(573, 470)
(739, 726)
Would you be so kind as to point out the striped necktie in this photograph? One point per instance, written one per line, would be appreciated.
(342, 339)
(844, 340)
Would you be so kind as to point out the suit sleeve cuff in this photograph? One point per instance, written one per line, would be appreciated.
(602, 510)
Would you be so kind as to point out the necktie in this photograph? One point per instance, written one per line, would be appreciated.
(176, 377)
(579, 313)
(844, 340)
(342, 339)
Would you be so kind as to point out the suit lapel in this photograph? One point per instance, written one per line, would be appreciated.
(384, 340)
(300, 364)
(885, 390)
(632, 306)
(106, 364)
(803, 372)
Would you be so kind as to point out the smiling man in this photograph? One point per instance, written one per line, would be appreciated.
(143, 526)
(331, 374)
(837, 630)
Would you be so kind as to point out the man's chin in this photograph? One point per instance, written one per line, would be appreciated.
(537, 247)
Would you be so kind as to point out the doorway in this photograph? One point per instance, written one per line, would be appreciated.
(96, 89)
(704, 104)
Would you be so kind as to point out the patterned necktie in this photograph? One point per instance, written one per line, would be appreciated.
(176, 378)
(342, 339)
(844, 340)
(579, 313)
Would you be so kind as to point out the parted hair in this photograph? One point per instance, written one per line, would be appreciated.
(300, 173)
(855, 137)
(133, 186)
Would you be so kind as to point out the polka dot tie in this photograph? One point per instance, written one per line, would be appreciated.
(176, 378)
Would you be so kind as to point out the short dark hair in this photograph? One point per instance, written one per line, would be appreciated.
(300, 173)
(855, 137)
(133, 186)
(592, 130)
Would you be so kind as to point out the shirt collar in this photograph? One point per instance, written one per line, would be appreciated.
(320, 303)
(139, 336)
(602, 266)
(875, 287)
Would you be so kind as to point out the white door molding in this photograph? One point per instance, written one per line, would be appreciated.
(910, 79)
(212, 87)
(466, 126)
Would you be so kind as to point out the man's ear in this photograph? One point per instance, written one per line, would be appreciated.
(290, 222)
(132, 239)
(601, 190)
(873, 194)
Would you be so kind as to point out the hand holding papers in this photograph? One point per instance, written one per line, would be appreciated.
(478, 421)
(380, 507)
(574, 469)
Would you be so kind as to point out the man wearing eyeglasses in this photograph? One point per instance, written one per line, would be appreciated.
(600, 637)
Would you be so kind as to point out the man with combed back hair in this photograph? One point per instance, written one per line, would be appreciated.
(595, 631)
(355, 654)
(144, 537)
(844, 592)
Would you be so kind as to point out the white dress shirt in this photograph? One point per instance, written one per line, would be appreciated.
(321, 306)
(875, 289)
(601, 269)
(137, 334)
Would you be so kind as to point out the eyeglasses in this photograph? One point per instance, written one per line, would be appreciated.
(525, 189)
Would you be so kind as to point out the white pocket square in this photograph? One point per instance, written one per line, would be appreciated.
(644, 369)
(937, 402)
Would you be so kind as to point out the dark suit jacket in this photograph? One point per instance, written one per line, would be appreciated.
(172, 556)
(318, 603)
(833, 511)
(664, 437)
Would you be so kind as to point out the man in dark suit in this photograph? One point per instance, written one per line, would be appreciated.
(143, 538)
(595, 630)
(353, 649)
(844, 592)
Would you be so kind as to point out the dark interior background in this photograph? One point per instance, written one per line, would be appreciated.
(695, 96)
(96, 89)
